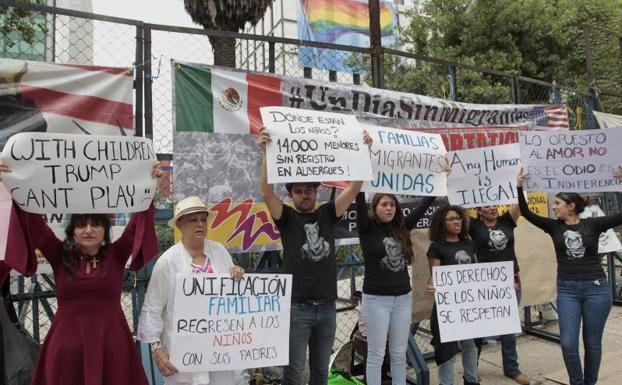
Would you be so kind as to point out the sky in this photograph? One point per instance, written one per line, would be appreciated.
(169, 12)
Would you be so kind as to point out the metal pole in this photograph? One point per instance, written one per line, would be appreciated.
(271, 57)
(148, 83)
(453, 84)
(138, 80)
(377, 55)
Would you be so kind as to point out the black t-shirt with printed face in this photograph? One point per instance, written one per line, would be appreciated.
(309, 252)
(494, 244)
(453, 253)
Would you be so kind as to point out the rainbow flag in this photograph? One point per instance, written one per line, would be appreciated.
(341, 22)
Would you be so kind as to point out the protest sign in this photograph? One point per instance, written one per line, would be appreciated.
(483, 176)
(406, 162)
(310, 146)
(578, 161)
(223, 324)
(64, 173)
(475, 300)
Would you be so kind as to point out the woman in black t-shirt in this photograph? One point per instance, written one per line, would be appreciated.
(451, 246)
(387, 303)
(493, 236)
(583, 293)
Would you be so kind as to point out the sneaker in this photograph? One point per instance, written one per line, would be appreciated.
(521, 379)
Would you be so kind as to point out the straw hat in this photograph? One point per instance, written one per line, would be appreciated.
(188, 205)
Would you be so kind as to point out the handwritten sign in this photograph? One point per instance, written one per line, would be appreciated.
(312, 146)
(475, 300)
(577, 161)
(484, 176)
(63, 173)
(406, 162)
(222, 324)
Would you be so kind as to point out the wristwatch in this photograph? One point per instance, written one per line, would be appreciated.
(155, 346)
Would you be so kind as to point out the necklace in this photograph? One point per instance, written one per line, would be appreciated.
(91, 263)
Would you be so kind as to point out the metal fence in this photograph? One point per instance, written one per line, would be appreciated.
(84, 38)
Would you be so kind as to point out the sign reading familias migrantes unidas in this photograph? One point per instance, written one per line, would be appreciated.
(406, 162)
(580, 161)
(314, 146)
(224, 324)
(66, 173)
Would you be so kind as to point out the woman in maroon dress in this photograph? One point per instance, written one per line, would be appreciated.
(89, 342)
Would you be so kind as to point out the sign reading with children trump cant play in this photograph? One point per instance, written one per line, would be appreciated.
(224, 324)
(406, 162)
(67, 173)
(314, 146)
(579, 161)
(484, 176)
(475, 300)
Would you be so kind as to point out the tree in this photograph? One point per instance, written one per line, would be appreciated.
(225, 15)
(23, 22)
(533, 38)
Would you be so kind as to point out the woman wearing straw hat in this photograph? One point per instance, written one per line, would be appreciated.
(193, 254)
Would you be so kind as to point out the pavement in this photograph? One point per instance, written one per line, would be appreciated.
(537, 357)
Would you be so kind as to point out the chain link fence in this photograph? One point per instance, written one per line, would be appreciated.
(80, 38)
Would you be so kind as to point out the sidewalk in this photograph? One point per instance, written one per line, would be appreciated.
(537, 357)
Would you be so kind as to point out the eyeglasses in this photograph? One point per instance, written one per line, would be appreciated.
(453, 219)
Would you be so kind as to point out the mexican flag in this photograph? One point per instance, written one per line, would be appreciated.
(214, 100)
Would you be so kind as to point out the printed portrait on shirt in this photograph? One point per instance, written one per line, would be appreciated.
(497, 240)
(394, 258)
(462, 257)
(574, 244)
(315, 248)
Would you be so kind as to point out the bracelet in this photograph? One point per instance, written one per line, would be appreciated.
(155, 346)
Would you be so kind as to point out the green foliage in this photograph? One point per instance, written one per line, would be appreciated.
(24, 22)
(533, 38)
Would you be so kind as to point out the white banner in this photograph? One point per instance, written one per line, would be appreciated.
(484, 176)
(406, 162)
(578, 161)
(475, 300)
(64, 173)
(608, 120)
(221, 324)
(314, 146)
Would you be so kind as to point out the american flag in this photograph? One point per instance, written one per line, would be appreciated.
(550, 117)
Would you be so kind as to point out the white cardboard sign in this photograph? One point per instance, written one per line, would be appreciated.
(475, 300)
(221, 324)
(578, 161)
(314, 146)
(484, 176)
(65, 173)
(406, 162)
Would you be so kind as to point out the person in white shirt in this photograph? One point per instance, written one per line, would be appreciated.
(193, 254)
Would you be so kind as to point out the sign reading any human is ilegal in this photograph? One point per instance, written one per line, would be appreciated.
(223, 324)
(484, 176)
(406, 162)
(310, 146)
(579, 161)
(64, 173)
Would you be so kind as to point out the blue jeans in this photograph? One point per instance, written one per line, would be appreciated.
(591, 301)
(387, 315)
(508, 347)
(469, 364)
(312, 325)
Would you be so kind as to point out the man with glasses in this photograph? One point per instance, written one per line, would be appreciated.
(308, 238)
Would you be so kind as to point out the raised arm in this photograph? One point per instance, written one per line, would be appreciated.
(411, 219)
(343, 200)
(514, 212)
(362, 215)
(272, 201)
(542, 222)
